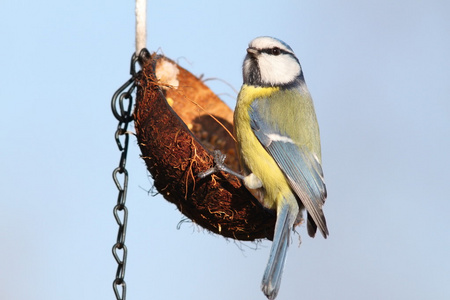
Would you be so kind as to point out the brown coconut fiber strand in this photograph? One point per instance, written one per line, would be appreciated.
(179, 122)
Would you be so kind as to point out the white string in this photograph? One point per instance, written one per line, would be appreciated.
(141, 25)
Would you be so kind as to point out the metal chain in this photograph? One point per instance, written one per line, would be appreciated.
(121, 105)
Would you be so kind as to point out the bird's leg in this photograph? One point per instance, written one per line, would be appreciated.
(219, 165)
(251, 181)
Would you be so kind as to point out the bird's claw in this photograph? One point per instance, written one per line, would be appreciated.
(219, 165)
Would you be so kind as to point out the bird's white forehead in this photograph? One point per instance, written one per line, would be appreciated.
(267, 42)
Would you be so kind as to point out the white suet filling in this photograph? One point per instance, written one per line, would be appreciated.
(167, 73)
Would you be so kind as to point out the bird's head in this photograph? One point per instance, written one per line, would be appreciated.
(270, 62)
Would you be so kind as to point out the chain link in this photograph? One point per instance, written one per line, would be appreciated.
(122, 105)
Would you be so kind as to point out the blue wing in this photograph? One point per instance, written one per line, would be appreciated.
(300, 166)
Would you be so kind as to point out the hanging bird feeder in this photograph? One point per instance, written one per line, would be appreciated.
(179, 122)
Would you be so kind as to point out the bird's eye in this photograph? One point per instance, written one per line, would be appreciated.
(276, 51)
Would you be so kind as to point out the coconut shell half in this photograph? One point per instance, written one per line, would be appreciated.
(179, 121)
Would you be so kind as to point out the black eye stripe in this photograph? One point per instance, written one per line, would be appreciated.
(270, 51)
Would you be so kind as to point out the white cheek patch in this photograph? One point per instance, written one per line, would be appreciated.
(280, 69)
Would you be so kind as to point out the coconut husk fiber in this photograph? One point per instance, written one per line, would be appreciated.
(179, 121)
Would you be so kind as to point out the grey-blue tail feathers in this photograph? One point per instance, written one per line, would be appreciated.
(272, 275)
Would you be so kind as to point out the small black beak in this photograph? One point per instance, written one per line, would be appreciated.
(252, 51)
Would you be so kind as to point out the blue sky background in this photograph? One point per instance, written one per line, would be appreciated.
(379, 72)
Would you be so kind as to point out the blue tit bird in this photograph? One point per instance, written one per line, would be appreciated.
(279, 146)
